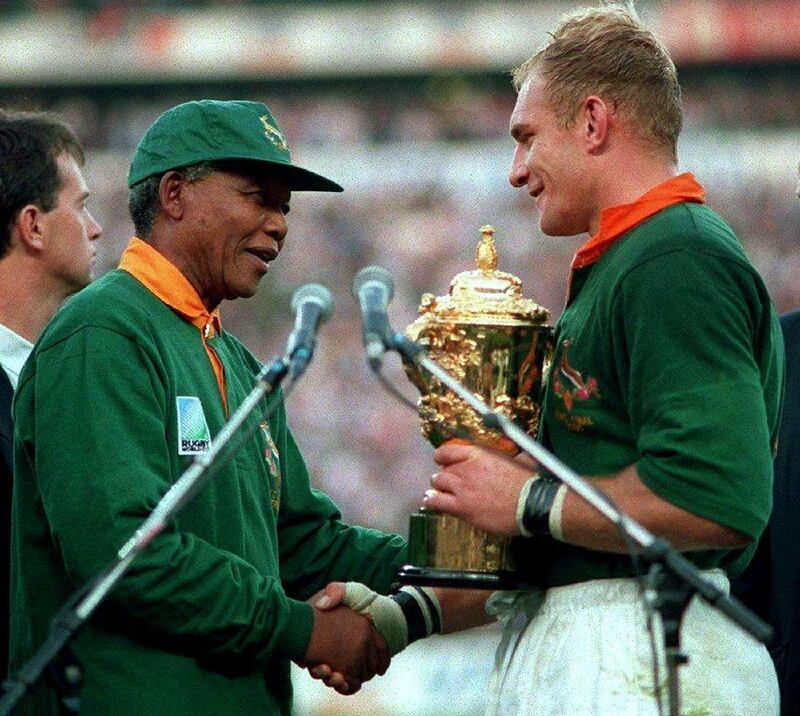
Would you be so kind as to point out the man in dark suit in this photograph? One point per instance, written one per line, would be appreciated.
(46, 254)
(6, 431)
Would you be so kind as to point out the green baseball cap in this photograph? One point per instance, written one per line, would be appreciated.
(213, 130)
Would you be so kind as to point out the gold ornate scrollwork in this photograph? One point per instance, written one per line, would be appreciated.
(497, 344)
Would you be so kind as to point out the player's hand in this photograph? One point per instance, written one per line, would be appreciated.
(479, 486)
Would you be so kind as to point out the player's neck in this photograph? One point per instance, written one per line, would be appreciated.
(629, 180)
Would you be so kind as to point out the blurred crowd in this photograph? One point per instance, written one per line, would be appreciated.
(438, 108)
(93, 6)
(424, 166)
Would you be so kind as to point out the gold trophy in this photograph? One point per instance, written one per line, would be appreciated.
(498, 344)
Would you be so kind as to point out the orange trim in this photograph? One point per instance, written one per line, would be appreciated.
(617, 220)
(164, 279)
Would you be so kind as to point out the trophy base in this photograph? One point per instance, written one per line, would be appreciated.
(445, 551)
(433, 577)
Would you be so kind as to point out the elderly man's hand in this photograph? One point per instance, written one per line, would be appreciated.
(480, 486)
(329, 598)
(346, 645)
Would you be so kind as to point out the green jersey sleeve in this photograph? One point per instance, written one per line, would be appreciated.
(316, 546)
(698, 349)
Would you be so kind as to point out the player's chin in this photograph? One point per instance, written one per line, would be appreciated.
(79, 280)
(559, 226)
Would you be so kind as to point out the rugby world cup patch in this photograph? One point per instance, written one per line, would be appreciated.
(193, 434)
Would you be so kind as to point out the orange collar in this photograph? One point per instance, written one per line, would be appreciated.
(617, 220)
(162, 278)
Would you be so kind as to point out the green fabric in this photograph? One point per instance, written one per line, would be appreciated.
(209, 615)
(213, 130)
(668, 355)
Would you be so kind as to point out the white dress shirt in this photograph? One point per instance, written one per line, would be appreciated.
(14, 351)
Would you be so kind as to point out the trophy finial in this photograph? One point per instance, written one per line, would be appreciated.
(486, 253)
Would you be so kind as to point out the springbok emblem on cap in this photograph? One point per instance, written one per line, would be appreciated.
(273, 134)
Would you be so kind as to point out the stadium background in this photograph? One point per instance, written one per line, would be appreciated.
(407, 105)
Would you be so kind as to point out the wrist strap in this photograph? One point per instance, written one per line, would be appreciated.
(405, 616)
(536, 513)
(521, 500)
(421, 609)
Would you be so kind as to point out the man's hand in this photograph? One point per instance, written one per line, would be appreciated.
(479, 486)
(350, 647)
(329, 598)
(402, 617)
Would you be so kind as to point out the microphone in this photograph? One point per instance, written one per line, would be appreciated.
(312, 305)
(374, 289)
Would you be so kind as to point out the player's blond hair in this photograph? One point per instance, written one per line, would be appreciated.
(607, 51)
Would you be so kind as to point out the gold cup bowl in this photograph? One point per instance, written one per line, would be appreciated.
(498, 344)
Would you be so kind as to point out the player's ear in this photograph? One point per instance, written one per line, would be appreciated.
(28, 229)
(594, 122)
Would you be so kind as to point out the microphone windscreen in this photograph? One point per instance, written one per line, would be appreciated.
(373, 275)
(314, 293)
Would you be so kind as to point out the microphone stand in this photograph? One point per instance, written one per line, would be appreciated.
(75, 613)
(673, 579)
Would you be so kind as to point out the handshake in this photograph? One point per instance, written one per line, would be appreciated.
(357, 631)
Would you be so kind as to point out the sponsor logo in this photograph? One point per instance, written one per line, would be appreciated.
(194, 437)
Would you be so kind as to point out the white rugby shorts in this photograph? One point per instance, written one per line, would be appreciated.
(584, 650)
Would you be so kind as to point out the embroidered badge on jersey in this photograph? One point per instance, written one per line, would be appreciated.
(272, 457)
(571, 389)
(193, 434)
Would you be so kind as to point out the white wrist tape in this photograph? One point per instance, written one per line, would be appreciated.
(407, 615)
(384, 612)
(554, 520)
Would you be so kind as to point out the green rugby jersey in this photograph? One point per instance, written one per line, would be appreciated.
(115, 401)
(668, 356)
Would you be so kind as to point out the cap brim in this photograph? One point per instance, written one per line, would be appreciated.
(299, 179)
(305, 180)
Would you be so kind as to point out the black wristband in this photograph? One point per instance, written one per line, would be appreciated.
(536, 515)
(433, 612)
(412, 607)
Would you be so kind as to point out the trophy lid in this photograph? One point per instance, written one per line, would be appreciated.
(485, 296)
